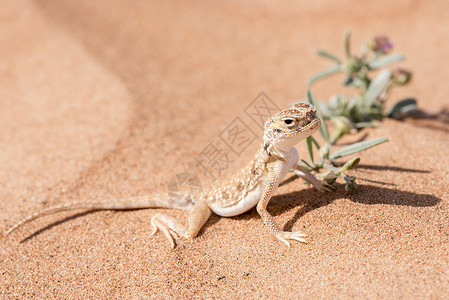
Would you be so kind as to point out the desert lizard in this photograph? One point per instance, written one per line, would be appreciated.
(252, 186)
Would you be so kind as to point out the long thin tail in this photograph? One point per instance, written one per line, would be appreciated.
(153, 201)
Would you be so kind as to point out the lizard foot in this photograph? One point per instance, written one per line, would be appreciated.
(284, 236)
(158, 224)
(323, 186)
(318, 184)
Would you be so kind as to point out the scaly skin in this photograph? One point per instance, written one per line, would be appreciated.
(252, 186)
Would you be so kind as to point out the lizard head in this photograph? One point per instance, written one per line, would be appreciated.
(288, 127)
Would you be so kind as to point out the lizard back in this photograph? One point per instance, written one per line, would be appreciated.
(236, 188)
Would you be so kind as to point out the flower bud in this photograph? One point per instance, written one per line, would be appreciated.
(351, 164)
(351, 186)
(402, 76)
(342, 124)
(354, 65)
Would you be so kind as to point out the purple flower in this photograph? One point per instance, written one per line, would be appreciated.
(382, 43)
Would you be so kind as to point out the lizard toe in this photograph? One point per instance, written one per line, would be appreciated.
(297, 236)
(158, 225)
(324, 187)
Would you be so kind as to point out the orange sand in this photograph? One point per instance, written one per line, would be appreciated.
(103, 99)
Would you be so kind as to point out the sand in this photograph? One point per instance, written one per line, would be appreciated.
(106, 99)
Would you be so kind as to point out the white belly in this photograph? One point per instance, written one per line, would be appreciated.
(251, 200)
(253, 197)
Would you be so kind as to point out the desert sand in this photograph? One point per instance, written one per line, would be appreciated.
(108, 99)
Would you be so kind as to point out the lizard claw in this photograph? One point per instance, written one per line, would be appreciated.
(155, 229)
(284, 236)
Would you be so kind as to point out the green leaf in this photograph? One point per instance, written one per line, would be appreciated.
(401, 107)
(326, 73)
(324, 151)
(305, 165)
(351, 106)
(324, 108)
(383, 61)
(361, 125)
(334, 101)
(357, 147)
(315, 142)
(376, 55)
(309, 148)
(377, 87)
(329, 55)
(347, 44)
(332, 168)
(323, 128)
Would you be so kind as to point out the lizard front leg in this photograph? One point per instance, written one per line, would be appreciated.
(271, 184)
(320, 185)
(198, 216)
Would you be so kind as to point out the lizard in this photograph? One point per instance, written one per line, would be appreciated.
(252, 186)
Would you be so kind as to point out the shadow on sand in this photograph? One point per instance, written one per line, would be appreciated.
(307, 198)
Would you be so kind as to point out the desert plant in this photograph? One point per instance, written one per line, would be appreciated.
(352, 113)
(325, 167)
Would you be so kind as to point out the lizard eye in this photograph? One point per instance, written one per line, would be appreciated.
(289, 122)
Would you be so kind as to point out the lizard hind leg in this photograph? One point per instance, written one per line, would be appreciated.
(171, 227)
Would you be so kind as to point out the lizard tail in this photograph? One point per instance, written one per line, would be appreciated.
(153, 201)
